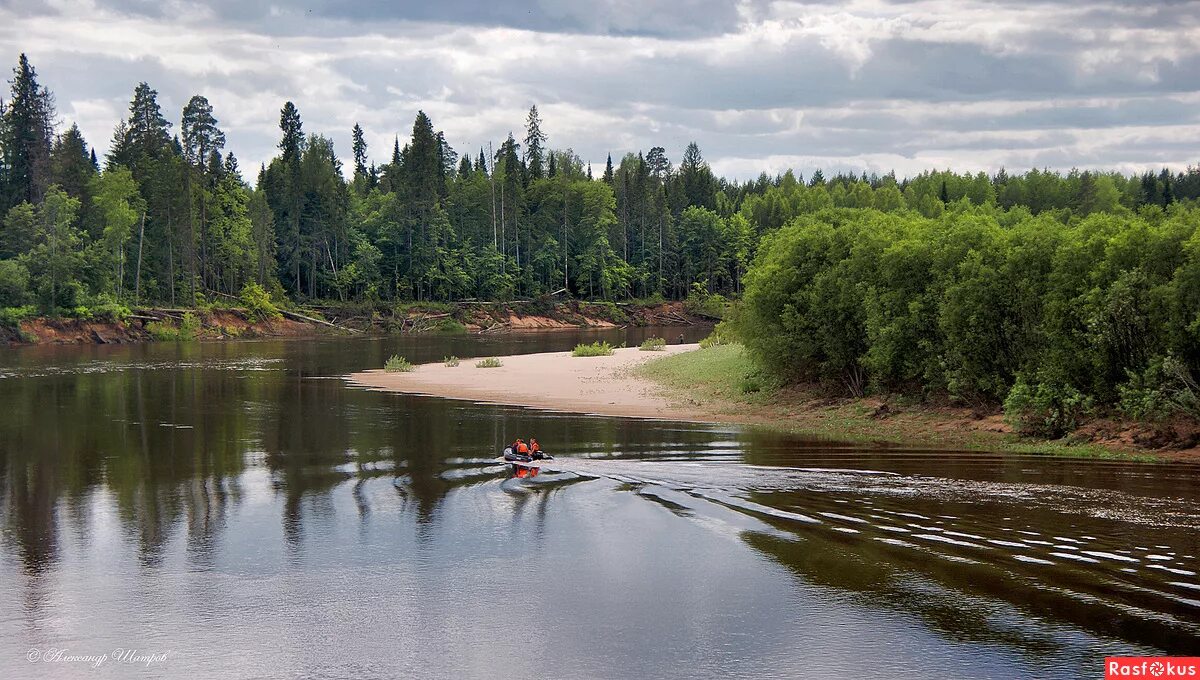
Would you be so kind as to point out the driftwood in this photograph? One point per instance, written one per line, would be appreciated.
(309, 319)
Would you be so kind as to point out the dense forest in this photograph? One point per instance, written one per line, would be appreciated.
(1053, 291)
(169, 216)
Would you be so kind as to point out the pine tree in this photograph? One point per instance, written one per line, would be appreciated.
(535, 141)
(607, 177)
(360, 154)
(658, 164)
(699, 186)
(1168, 192)
(292, 141)
(27, 133)
(71, 169)
(70, 164)
(147, 135)
(201, 136)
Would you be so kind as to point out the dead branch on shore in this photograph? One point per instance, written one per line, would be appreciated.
(309, 319)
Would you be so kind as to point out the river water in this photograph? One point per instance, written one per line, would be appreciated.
(237, 510)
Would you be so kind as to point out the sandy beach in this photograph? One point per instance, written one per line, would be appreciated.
(552, 380)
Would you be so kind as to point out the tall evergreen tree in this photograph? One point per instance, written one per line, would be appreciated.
(481, 165)
(71, 169)
(699, 186)
(201, 136)
(359, 145)
(535, 141)
(27, 132)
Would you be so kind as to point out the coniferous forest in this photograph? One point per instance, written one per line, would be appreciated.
(1070, 286)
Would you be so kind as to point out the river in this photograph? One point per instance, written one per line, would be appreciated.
(237, 510)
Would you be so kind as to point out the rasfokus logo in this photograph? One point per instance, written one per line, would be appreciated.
(1151, 667)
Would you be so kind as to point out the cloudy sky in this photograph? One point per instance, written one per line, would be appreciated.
(862, 85)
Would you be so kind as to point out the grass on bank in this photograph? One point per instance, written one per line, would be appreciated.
(724, 380)
(490, 362)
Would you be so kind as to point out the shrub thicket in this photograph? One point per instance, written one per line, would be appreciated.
(1049, 317)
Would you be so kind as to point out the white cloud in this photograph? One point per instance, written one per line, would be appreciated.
(866, 84)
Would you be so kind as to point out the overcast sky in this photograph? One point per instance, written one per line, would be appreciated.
(867, 85)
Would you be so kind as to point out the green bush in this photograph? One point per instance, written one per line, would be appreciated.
(450, 361)
(700, 302)
(1165, 389)
(450, 326)
(258, 301)
(105, 307)
(14, 284)
(398, 364)
(13, 316)
(1048, 410)
(715, 339)
(653, 345)
(188, 329)
(595, 349)
(490, 362)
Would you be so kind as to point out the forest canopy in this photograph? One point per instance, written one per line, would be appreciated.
(168, 216)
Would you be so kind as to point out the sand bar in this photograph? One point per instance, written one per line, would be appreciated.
(555, 381)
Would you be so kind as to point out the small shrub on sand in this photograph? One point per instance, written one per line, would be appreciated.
(653, 345)
(595, 349)
(490, 362)
(398, 364)
(450, 361)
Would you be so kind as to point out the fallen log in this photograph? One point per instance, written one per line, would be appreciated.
(309, 319)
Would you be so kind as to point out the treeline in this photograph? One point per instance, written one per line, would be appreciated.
(1054, 318)
(168, 216)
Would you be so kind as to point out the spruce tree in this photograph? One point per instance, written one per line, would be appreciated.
(535, 141)
(360, 154)
(27, 134)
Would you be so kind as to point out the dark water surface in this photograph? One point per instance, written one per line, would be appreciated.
(242, 510)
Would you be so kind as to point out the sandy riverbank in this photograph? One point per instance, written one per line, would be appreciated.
(551, 380)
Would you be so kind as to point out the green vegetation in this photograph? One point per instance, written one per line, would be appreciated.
(1054, 318)
(13, 316)
(653, 345)
(490, 362)
(187, 330)
(258, 301)
(595, 349)
(721, 335)
(451, 361)
(398, 364)
(169, 218)
(726, 383)
(450, 326)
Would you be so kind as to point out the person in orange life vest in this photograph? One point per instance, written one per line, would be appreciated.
(522, 448)
(535, 449)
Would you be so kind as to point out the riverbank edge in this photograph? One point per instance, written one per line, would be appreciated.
(232, 323)
(720, 381)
